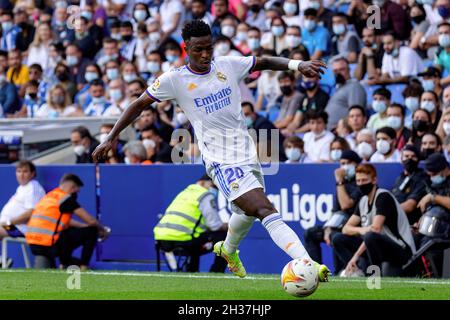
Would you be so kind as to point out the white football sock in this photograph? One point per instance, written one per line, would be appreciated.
(284, 236)
(238, 227)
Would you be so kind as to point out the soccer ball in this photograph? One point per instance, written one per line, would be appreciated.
(299, 277)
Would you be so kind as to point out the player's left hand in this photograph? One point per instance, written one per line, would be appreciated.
(312, 68)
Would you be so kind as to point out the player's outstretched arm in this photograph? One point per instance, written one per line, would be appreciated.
(310, 68)
(129, 115)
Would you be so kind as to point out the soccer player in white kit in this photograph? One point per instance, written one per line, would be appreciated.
(208, 92)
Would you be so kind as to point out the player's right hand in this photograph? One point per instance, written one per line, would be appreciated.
(101, 152)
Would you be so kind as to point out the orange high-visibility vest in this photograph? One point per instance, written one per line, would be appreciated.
(47, 221)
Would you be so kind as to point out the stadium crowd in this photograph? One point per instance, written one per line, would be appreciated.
(385, 96)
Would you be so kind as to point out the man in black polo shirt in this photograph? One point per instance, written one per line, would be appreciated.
(409, 187)
(437, 200)
(345, 201)
(378, 228)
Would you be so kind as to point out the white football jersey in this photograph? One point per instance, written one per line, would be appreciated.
(212, 103)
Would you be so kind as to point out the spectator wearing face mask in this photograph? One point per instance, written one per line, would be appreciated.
(429, 101)
(314, 98)
(153, 67)
(377, 232)
(162, 150)
(77, 64)
(412, 94)
(365, 144)
(317, 141)
(141, 14)
(289, 100)
(58, 105)
(421, 125)
(409, 187)
(255, 14)
(83, 97)
(348, 92)
(112, 71)
(344, 204)
(110, 51)
(370, 57)
(396, 120)
(275, 38)
(119, 102)
(224, 47)
(431, 80)
(399, 62)
(344, 42)
(337, 147)
(421, 25)
(315, 37)
(436, 203)
(381, 101)
(32, 102)
(83, 144)
(99, 105)
(82, 38)
(228, 27)
(172, 52)
(10, 32)
(292, 14)
(442, 57)
(294, 150)
(431, 143)
(129, 41)
(115, 155)
(293, 41)
(135, 153)
(386, 151)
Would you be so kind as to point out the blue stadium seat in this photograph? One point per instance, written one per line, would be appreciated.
(352, 67)
(343, 7)
(396, 90)
(328, 78)
(273, 113)
(427, 63)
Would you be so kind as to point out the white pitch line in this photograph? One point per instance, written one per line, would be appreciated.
(199, 276)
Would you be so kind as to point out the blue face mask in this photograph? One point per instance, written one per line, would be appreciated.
(90, 76)
(350, 171)
(310, 25)
(308, 85)
(444, 12)
(171, 58)
(253, 43)
(98, 100)
(112, 74)
(379, 106)
(437, 179)
(87, 15)
(428, 85)
(248, 121)
(277, 31)
(339, 29)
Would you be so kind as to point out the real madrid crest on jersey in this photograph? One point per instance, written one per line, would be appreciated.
(221, 76)
(234, 186)
(156, 85)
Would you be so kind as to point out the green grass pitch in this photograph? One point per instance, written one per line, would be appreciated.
(31, 284)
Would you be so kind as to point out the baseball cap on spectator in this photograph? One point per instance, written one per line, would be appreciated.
(351, 156)
(412, 148)
(430, 72)
(436, 163)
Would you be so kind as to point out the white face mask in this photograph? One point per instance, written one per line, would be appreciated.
(149, 143)
(394, 122)
(428, 105)
(154, 36)
(103, 137)
(241, 36)
(222, 48)
(336, 154)
(181, 118)
(153, 67)
(293, 154)
(127, 160)
(228, 31)
(412, 103)
(364, 150)
(293, 41)
(383, 146)
(79, 150)
(447, 128)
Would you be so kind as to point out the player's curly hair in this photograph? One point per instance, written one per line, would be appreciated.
(195, 28)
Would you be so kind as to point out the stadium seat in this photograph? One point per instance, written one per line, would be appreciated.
(369, 92)
(176, 260)
(396, 90)
(24, 246)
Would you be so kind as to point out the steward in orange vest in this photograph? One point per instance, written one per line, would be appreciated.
(52, 233)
